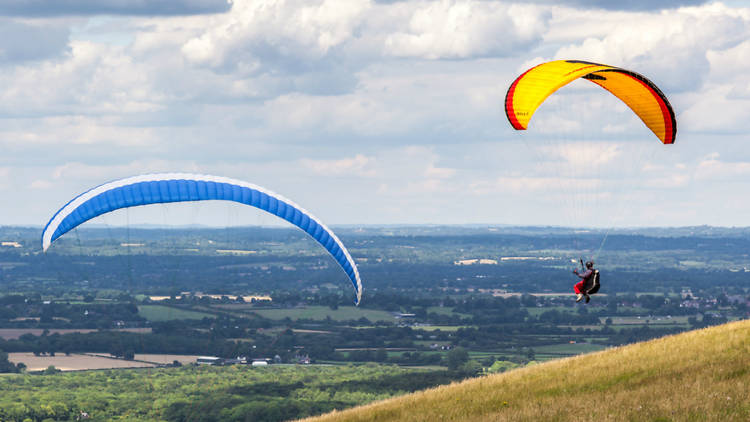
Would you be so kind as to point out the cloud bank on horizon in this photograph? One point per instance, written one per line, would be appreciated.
(46, 8)
(378, 112)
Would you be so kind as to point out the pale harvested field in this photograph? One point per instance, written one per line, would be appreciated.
(15, 333)
(166, 359)
(153, 358)
(74, 362)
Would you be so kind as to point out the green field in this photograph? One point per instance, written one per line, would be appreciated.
(442, 310)
(159, 313)
(441, 327)
(629, 322)
(567, 349)
(535, 312)
(343, 313)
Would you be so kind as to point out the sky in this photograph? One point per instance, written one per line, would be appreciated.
(375, 112)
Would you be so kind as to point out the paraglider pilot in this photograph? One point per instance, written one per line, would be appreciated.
(589, 283)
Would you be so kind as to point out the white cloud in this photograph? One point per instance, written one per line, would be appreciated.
(41, 184)
(256, 32)
(35, 8)
(4, 172)
(359, 165)
(730, 66)
(669, 181)
(661, 176)
(408, 174)
(94, 80)
(718, 110)
(621, 5)
(578, 153)
(669, 47)
(714, 169)
(439, 172)
(101, 173)
(451, 29)
(533, 185)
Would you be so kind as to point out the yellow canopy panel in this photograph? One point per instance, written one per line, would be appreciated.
(530, 90)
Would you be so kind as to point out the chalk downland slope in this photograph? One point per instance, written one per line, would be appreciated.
(701, 375)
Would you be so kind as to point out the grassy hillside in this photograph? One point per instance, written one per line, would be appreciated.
(701, 375)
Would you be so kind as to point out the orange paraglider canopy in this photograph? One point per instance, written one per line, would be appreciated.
(530, 90)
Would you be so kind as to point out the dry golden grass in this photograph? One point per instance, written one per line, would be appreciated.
(701, 375)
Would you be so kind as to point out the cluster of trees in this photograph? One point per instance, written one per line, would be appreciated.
(123, 344)
(190, 393)
(38, 314)
(9, 367)
(381, 356)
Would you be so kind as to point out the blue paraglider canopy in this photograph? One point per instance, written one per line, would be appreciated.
(182, 187)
